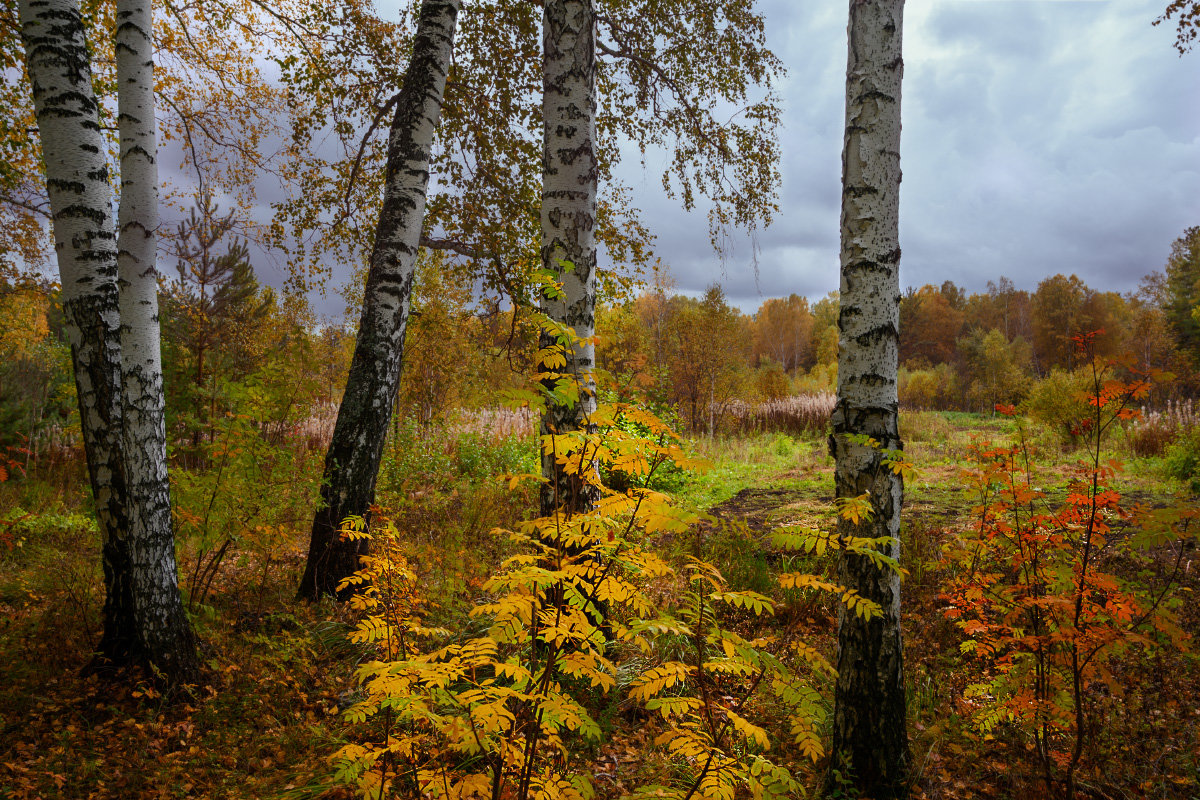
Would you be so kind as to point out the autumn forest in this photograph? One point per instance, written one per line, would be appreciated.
(541, 515)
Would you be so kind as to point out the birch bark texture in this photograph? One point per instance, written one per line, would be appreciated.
(570, 179)
(352, 462)
(869, 736)
(157, 606)
(144, 622)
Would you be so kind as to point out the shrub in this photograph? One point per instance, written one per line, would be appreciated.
(1032, 595)
(1183, 460)
(771, 382)
(933, 389)
(241, 504)
(821, 379)
(498, 715)
(1060, 403)
(45, 530)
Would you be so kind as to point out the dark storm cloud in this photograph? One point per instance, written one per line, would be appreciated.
(1039, 137)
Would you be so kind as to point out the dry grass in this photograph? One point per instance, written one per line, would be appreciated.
(316, 430)
(796, 415)
(496, 422)
(1156, 429)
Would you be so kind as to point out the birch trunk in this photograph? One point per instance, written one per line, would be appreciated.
(352, 463)
(139, 570)
(143, 619)
(157, 608)
(80, 206)
(869, 735)
(569, 186)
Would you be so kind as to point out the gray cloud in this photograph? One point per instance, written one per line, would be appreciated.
(1039, 137)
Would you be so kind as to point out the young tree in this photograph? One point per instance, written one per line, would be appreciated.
(825, 329)
(869, 734)
(437, 371)
(708, 344)
(352, 462)
(653, 309)
(114, 338)
(35, 370)
(995, 369)
(783, 332)
(1181, 299)
(623, 352)
(212, 310)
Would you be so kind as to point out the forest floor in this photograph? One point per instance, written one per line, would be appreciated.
(267, 716)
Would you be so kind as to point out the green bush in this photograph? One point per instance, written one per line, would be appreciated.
(933, 389)
(47, 530)
(478, 457)
(1182, 460)
(1059, 402)
(437, 457)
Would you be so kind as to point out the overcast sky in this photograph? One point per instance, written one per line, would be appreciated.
(1040, 136)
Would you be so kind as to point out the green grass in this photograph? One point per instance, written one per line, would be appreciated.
(736, 463)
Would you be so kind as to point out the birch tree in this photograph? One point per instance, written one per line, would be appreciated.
(113, 334)
(486, 211)
(352, 462)
(869, 736)
(569, 189)
(667, 77)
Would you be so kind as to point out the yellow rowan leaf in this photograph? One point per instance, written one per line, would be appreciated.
(655, 680)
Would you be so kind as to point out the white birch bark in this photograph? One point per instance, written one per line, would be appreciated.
(352, 462)
(569, 188)
(162, 624)
(139, 570)
(80, 202)
(869, 736)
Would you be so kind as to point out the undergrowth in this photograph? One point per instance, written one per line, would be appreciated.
(511, 713)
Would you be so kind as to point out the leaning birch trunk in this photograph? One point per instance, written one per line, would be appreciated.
(869, 735)
(569, 186)
(157, 609)
(352, 462)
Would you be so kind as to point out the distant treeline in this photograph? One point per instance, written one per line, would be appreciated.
(958, 350)
(233, 347)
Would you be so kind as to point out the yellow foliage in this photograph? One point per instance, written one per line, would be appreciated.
(653, 681)
(579, 583)
(23, 323)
